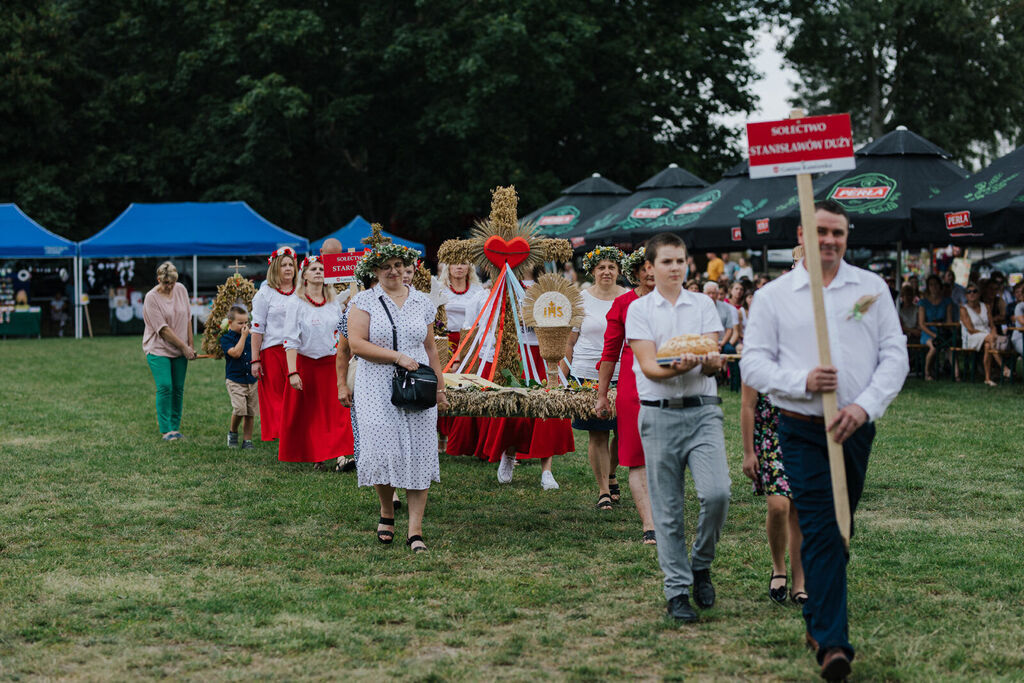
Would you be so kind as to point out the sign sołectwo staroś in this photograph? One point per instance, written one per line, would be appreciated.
(813, 144)
(341, 267)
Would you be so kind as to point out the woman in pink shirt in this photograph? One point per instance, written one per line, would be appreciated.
(167, 343)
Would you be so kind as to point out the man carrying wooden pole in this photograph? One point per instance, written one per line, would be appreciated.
(827, 410)
(843, 316)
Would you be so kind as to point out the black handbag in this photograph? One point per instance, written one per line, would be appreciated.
(411, 389)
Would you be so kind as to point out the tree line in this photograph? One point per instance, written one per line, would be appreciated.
(409, 112)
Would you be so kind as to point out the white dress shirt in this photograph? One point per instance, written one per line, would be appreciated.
(312, 330)
(653, 318)
(268, 311)
(780, 346)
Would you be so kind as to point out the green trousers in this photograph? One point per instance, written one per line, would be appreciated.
(169, 375)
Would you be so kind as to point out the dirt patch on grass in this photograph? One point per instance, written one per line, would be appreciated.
(8, 441)
(63, 584)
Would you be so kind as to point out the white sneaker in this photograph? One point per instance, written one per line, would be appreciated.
(547, 481)
(505, 467)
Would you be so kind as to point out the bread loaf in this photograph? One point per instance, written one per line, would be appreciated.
(696, 344)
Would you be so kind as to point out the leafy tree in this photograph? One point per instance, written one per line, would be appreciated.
(950, 71)
(312, 111)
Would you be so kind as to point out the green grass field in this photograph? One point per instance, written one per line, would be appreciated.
(125, 557)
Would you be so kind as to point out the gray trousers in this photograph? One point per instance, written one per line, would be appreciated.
(673, 439)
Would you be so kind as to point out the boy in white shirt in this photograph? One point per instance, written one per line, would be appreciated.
(680, 424)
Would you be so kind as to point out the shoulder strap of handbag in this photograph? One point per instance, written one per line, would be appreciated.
(394, 330)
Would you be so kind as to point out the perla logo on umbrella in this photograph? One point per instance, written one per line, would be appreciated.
(651, 208)
(558, 220)
(866, 193)
(645, 211)
(690, 210)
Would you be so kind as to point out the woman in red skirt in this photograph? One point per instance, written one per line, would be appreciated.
(268, 363)
(627, 402)
(459, 434)
(314, 426)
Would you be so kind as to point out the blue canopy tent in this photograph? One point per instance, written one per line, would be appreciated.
(23, 238)
(351, 237)
(190, 228)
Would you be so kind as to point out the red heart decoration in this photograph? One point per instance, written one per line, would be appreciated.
(500, 251)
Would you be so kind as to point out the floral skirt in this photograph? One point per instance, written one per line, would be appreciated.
(771, 475)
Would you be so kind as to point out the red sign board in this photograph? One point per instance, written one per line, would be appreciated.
(957, 220)
(737, 235)
(577, 241)
(880, 192)
(341, 267)
(762, 226)
(813, 144)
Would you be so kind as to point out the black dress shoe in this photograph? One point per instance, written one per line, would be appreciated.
(836, 665)
(703, 590)
(680, 610)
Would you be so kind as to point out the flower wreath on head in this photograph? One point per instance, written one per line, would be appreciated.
(381, 254)
(282, 251)
(598, 254)
(309, 260)
(630, 262)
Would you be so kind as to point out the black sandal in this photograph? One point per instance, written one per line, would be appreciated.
(613, 489)
(413, 539)
(319, 467)
(649, 538)
(778, 594)
(383, 535)
(604, 502)
(396, 504)
(345, 465)
(799, 597)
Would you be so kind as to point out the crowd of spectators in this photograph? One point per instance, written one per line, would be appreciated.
(945, 322)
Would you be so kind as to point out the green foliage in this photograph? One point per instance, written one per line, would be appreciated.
(950, 71)
(408, 113)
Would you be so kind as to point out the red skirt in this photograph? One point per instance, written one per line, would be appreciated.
(627, 414)
(314, 426)
(531, 437)
(270, 387)
(461, 432)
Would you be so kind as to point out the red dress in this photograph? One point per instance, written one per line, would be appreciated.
(271, 387)
(314, 425)
(531, 437)
(627, 401)
(462, 432)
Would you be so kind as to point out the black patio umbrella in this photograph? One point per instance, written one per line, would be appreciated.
(655, 197)
(893, 174)
(986, 208)
(711, 219)
(586, 198)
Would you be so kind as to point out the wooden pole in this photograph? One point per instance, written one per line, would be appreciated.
(812, 260)
(88, 320)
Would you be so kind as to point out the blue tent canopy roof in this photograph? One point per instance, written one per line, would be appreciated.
(351, 237)
(202, 228)
(22, 237)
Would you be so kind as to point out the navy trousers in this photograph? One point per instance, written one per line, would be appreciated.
(805, 458)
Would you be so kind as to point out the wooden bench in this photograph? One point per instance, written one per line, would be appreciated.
(970, 360)
(916, 353)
